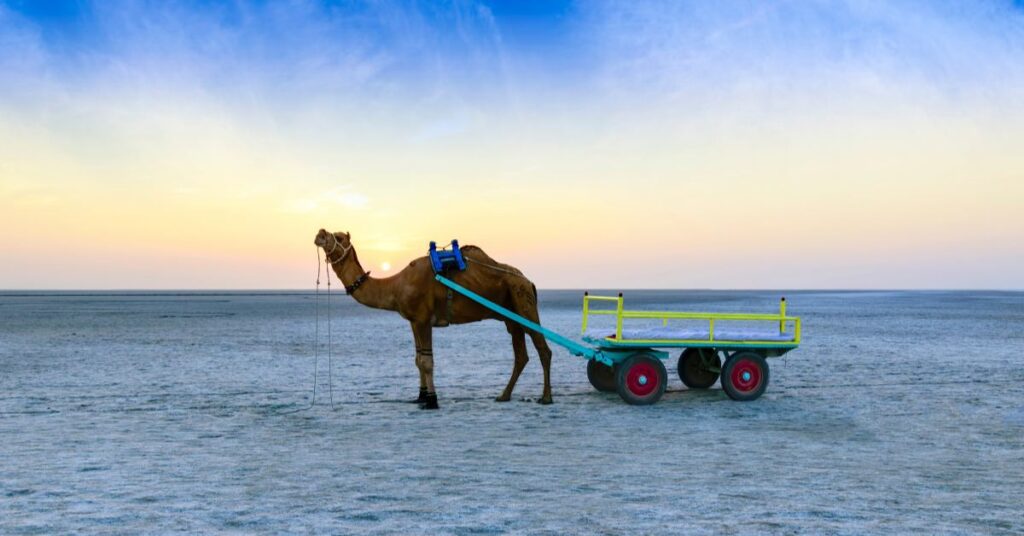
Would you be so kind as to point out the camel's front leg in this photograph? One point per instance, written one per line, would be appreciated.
(422, 398)
(425, 362)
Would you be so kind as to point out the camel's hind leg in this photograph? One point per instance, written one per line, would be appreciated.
(545, 362)
(519, 349)
(525, 299)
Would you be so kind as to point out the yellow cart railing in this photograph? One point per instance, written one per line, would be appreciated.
(786, 324)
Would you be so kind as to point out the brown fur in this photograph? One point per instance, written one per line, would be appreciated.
(417, 297)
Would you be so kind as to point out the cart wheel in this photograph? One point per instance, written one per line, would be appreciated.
(744, 376)
(695, 367)
(640, 379)
(601, 376)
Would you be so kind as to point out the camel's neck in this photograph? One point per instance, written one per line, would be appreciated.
(376, 293)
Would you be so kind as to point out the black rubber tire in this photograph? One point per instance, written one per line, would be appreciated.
(601, 376)
(634, 378)
(693, 367)
(745, 376)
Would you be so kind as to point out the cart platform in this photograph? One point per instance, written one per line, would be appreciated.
(773, 333)
(668, 335)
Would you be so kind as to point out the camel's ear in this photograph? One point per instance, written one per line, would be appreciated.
(348, 236)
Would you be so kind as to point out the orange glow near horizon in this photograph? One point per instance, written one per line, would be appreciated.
(750, 219)
(642, 171)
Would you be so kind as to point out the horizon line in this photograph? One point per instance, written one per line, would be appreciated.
(10, 292)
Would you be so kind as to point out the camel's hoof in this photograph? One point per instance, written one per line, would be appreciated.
(545, 401)
(422, 399)
(430, 403)
(503, 398)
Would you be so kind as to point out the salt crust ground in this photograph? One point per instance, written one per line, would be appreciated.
(902, 413)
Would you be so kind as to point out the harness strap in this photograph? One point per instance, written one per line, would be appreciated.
(359, 281)
(343, 254)
(448, 307)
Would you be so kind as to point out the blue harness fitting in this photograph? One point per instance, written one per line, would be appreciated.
(443, 259)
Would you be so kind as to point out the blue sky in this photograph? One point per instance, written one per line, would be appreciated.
(475, 49)
(880, 135)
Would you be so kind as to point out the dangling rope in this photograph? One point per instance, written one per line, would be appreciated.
(316, 339)
(330, 359)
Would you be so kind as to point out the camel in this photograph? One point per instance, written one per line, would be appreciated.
(415, 295)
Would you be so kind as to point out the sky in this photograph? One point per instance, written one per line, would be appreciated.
(813, 144)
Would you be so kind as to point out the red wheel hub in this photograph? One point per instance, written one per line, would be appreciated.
(746, 375)
(642, 379)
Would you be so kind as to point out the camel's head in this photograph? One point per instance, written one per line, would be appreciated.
(332, 241)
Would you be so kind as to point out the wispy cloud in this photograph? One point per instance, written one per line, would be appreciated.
(341, 197)
(282, 61)
(684, 50)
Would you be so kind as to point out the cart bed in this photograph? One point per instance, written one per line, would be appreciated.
(663, 333)
(776, 332)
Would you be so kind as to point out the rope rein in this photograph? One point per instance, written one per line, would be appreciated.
(316, 330)
(316, 336)
(316, 339)
(330, 358)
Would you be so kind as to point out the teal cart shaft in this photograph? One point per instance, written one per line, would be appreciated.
(574, 347)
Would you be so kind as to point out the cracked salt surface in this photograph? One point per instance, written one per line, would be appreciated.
(902, 412)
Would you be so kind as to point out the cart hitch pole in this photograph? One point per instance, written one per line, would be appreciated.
(574, 347)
